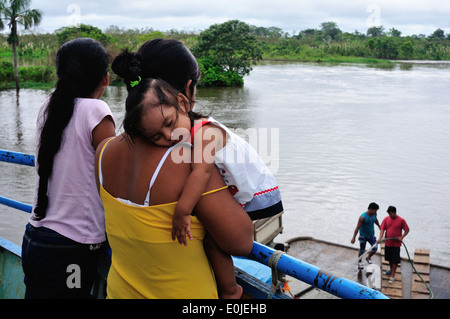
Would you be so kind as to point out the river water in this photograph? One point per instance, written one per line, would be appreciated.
(337, 137)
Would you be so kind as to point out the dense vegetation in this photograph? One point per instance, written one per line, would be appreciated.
(227, 51)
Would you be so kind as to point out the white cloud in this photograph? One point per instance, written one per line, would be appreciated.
(408, 16)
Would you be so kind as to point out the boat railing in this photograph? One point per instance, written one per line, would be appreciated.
(280, 262)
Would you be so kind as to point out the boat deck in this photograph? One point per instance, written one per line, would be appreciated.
(341, 261)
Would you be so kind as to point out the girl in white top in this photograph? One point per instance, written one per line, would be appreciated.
(166, 119)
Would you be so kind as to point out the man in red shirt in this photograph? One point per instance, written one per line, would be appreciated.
(394, 225)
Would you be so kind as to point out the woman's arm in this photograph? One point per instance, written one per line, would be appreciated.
(222, 216)
(225, 220)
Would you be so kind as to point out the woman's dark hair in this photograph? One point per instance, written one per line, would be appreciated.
(165, 59)
(162, 59)
(81, 65)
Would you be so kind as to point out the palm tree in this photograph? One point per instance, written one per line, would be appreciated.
(16, 12)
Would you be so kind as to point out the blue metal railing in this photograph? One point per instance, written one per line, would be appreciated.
(310, 274)
(16, 158)
(21, 159)
(314, 276)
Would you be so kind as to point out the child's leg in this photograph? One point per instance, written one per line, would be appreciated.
(222, 264)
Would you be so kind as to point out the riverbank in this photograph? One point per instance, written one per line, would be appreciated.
(325, 58)
(36, 52)
(39, 85)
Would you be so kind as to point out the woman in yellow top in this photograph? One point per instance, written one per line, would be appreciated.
(139, 186)
(146, 262)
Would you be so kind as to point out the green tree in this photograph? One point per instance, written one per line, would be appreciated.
(386, 48)
(67, 33)
(375, 31)
(395, 33)
(213, 75)
(17, 12)
(330, 30)
(229, 45)
(438, 34)
(407, 49)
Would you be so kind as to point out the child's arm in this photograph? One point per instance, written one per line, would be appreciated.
(202, 166)
(192, 192)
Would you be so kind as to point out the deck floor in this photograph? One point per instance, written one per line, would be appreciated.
(342, 261)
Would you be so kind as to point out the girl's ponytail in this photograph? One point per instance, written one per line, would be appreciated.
(57, 115)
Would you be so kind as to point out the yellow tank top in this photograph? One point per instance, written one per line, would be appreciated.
(146, 262)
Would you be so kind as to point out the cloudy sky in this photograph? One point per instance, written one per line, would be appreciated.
(408, 16)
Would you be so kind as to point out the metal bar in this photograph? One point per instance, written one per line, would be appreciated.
(16, 204)
(314, 276)
(254, 287)
(16, 158)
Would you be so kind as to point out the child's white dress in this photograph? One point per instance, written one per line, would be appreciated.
(248, 178)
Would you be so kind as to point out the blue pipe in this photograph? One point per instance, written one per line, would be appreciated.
(21, 159)
(16, 158)
(15, 204)
(314, 276)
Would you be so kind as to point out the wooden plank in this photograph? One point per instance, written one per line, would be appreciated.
(421, 259)
(393, 292)
(422, 251)
(422, 269)
(424, 277)
(397, 284)
(419, 287)
(387, 267)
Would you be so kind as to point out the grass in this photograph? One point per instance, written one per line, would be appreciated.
(326, 58)
(28, 85)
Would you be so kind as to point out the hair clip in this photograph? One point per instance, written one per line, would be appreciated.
(134, 83)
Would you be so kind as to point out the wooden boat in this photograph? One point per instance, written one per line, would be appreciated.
(342, 261)
(299, 268)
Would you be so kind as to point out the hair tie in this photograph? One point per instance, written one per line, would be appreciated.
(134, 83)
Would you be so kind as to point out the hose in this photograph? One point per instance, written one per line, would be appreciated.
(409, 258)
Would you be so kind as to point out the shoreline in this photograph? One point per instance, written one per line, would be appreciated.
(330, 59)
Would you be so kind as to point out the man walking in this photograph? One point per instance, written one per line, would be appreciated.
(396, 229)
(366, 230)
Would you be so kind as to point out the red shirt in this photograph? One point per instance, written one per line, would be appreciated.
(393, 228)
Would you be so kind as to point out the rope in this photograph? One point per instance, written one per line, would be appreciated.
(276, 277)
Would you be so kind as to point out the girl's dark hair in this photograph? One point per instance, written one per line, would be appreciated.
(81, 65)
(165, 95)
(162, 59)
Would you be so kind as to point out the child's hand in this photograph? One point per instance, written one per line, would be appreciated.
(181, 226)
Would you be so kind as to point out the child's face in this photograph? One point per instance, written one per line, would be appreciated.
(165, 125)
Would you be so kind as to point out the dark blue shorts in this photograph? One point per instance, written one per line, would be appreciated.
(56, 266)
(362, 243)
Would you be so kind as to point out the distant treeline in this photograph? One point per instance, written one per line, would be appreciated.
(327, 43)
